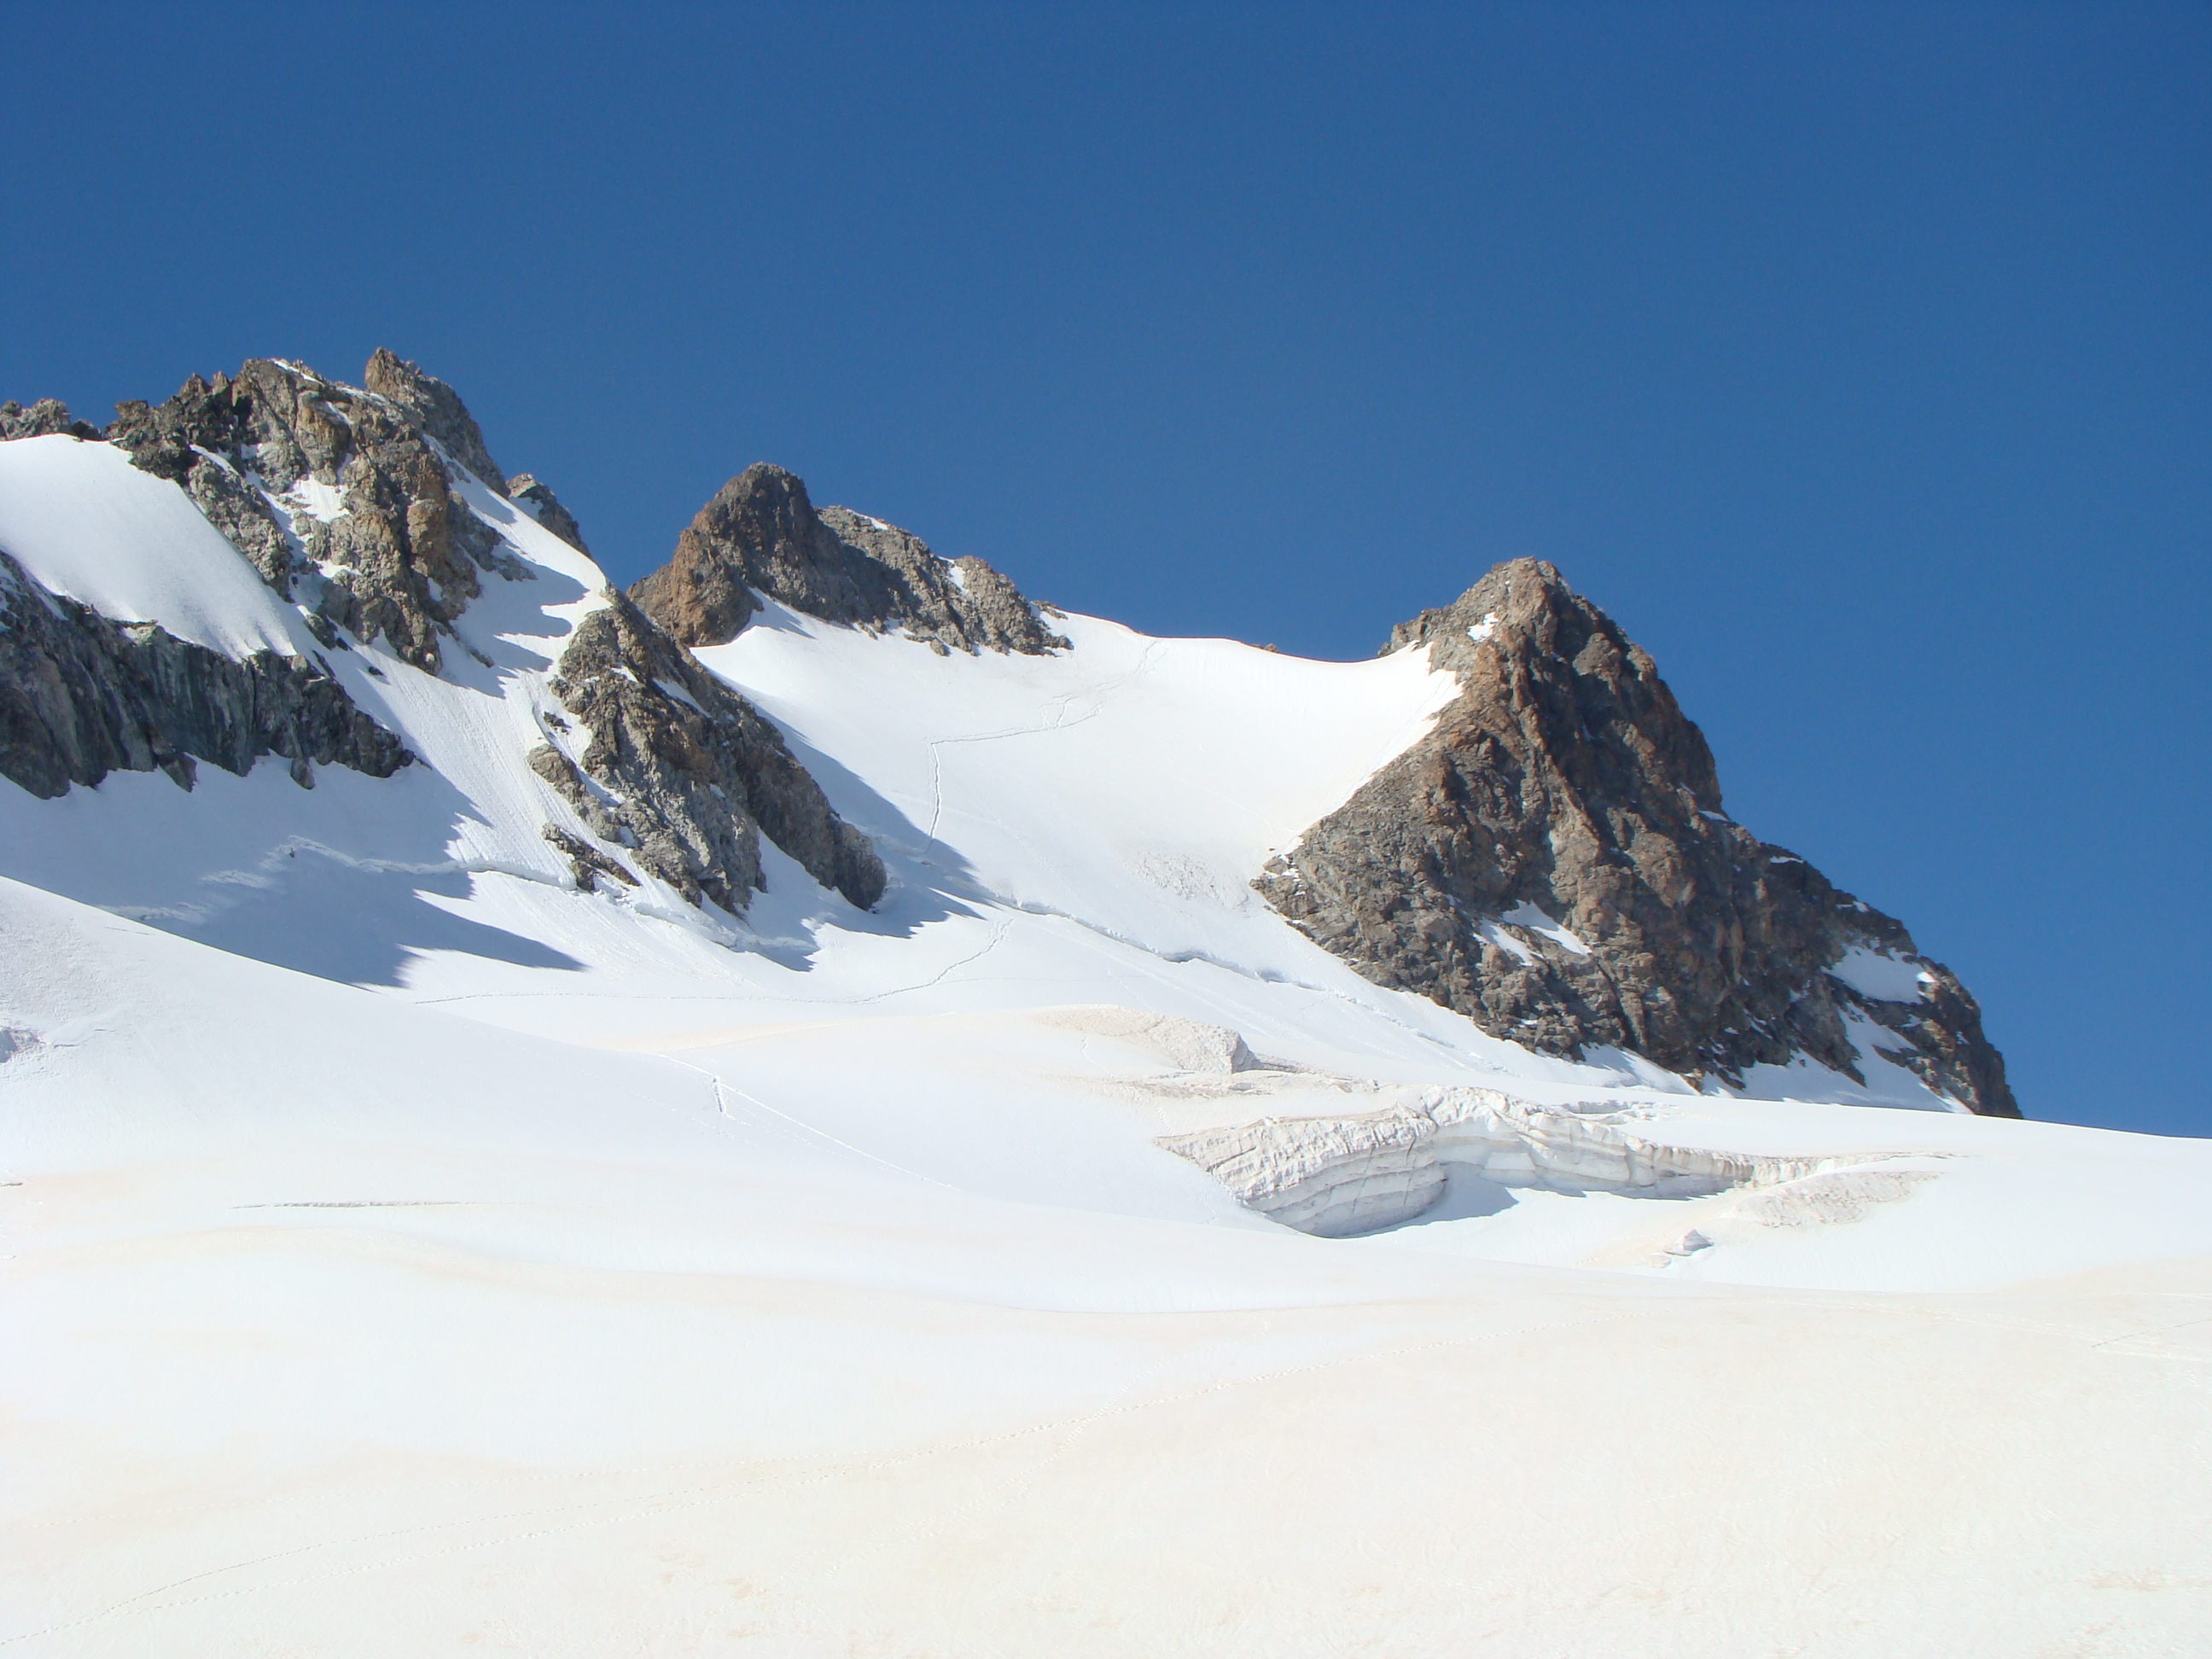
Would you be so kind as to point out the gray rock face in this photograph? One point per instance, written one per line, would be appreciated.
(48, 418)
(1554, 862)
(403, 556)
(538, 500)
(686, 772)
(434, 407)
(81, 695)
(960, 604)
(589, 863)
(761, 533)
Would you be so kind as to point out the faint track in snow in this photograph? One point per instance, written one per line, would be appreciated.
(998, 935)
(1175, 958)
(2155, 1330)
(723, 1090)
(967, 887)
(1058, 722)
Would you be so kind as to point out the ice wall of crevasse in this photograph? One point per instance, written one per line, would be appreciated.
(1334, 1177)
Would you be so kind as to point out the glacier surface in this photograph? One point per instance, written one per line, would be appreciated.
(408, 1252)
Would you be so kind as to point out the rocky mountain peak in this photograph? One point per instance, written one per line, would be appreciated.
(1521, 638)
(758, 531)
(434, 407)
(760, 534)
(342, 498)
(84, 693)
(1553, 861)
(354, 504)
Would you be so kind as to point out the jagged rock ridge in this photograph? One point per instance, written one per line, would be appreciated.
(48, 418)
(1553, 861)
(349, 502)
(344, 499)
(760, 533)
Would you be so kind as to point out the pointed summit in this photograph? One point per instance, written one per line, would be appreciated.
(760, 534)
(1554, 862)
(437, 409)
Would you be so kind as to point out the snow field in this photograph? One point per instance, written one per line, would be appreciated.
(406, 1254)
(389, 1333)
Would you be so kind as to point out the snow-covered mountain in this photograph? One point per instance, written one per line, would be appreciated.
(820, 1102)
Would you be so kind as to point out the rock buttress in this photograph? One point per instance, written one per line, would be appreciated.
(82, 695)
(1554, 862)
(674, 764)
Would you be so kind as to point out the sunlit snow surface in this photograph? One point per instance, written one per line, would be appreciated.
(411, 1255)
(87, 523)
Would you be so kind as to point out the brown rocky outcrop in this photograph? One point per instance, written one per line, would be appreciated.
(434, 407)
(762, 533)
(677, 767)
(1554, 862)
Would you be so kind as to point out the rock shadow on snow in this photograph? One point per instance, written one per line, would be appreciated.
(926, 875)
(362, 926)
(348, 881)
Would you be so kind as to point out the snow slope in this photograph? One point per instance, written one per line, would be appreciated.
(350, 1328)
(86, 523)
(407, 1253)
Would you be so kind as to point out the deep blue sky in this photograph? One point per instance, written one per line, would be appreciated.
(1854, 358)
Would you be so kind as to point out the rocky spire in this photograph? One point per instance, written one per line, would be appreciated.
(1554, 862)
(760, 533)
(437, 409)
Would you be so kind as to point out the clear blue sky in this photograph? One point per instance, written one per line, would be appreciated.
(1854, 357)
